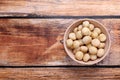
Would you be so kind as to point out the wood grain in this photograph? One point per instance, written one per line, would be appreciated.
(59, 7)
(60, 74)
(37, 42)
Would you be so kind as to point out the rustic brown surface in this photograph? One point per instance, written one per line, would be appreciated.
(60, 7)
(60, 74)
(37, 42)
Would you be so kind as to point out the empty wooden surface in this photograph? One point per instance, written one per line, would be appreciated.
(60, 74)
(60, 7)
(37, 42)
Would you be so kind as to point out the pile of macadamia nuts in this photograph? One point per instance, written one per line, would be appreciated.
(87, 42)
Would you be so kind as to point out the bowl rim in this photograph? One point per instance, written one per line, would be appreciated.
(95, 61)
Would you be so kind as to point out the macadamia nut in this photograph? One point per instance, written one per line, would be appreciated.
(86, 57)
(100, 52)
(102, 37)
(87, 39)
(92, 50)
(86, 23)
(78, 35)
(72, 36)
(97, 30)
(84, 49)
(79, 55)
(75, 30)
(94, 34)
(93, 57)
(80, 27)
(69, 42)
(91, 27)
(86, 31)
(76, 44)
(95, 42)
(102, 45)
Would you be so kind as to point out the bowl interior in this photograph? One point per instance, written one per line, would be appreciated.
(96, 24)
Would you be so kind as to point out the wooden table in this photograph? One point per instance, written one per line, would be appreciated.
(30, 39)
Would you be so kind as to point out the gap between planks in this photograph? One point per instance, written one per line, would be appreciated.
(68, 66)
(32, 16)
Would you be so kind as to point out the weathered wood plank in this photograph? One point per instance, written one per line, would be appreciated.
(60, 74)
(59, 7)
(37, 42)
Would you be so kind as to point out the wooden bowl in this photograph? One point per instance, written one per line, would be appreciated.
(96, 24)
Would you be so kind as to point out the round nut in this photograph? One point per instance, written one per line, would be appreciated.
(75, 30)
(86, 39)
(93, 50)
(85, 23)
(102, 37)
(95, 42)
(100, 52)
(91, 27)
(72, 36)
(86, 57)
(76, 44)
(97, 30)
(69, 42)
(86, 31)
(94, 34)
(78, 35)
(79, 55)
(93, 57)
(80, 27)
(84, 49)
(102, 45)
